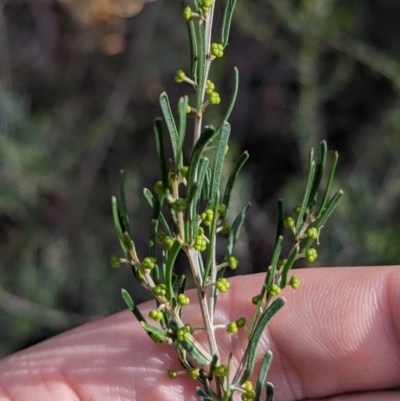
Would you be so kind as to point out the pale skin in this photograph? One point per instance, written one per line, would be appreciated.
(337, 338)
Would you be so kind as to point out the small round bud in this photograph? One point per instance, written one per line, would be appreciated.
(188, 109)
(183, 299)
(155, 315)
(274, 290)
(161, 237)
(296, 210)
(182, 334)
(194, 373)
(148, 263)
(214, 98)
(160, 290)
(184, 170)
(158, 187)
(187, 13)
(233, 262)
(312, 232)
(172, 374)
(223, 285)
(247, 385)
(256, 299)
(222, 208)
(281, 262)
(200, 244)
(217, 49)
(180, 76)
(225, 227)
(221, 371)
(294, 282)
(179, 205)
(156, 338)
(231, 328)
(289, 222)
(311, 254)
(168, 243)
(241, 322)
(115, 261)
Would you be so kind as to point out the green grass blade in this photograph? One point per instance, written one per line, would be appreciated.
(270, 392)
(131, 305)
(232, 100)
(235, 231)
(288, 265)
(172, 254)
(206, 136)
(306, 197)
(226, 21)
(117, 223)
(319, 170)
(161, 151)
(193, 46)
(265, 364)
(223, 138)
(328, 184)
(124, 211)
(170, 123)
(182, 105)
(232, 177)
(257, 333)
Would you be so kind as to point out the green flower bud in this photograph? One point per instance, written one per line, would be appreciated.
(182, 334)
(194, 373)
(222, 208)
(223, 285)
(168, 243)
(256, 299)
(289, 222)
(156, 338)
(188, 109)
(184, 170)
(312, 232)
(148, 263)
(183, 299)
(155, 315)
(172, 374)
(214, 98)
(160, 290)
(187, 13)
(200, 244)
(281, 262)
(225, 227)
(247, 385)
(158, 187)
(274, 290)
(241, 322)
(231, 328)
(179, 205)
(115, 261)
(180, 76)
(161, 237)
(221, 371)
(294, 282)
(209, 87)
(296, 210)
(217, 49)
(311, 254)
(233, 262)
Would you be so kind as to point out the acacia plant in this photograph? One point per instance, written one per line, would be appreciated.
(190, 213)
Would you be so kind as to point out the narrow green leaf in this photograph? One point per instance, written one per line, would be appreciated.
(117, 223)
(192, 45)
(192, 351)
(213, 364)
(232, 177)
(156, 330)
(226, 21)
(207, 185)
(161, 151)
(150, 199)
(124, 211)
(256, 335)
(154, 226)
(279, 219)
(131, 305)
(170, 123)
(265, 364)
(274, 260)
(172, 254)
(319, 170)
(328, 184)
(232, 100)
(182, 105)
(203, 395)
(288, 265)
(235, 231)
(270, 391)
(306, 197)
(198, 150)
(201, 64)
(223, 138)
(330, 208)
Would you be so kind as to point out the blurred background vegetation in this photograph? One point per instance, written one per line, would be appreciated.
(79, 86)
